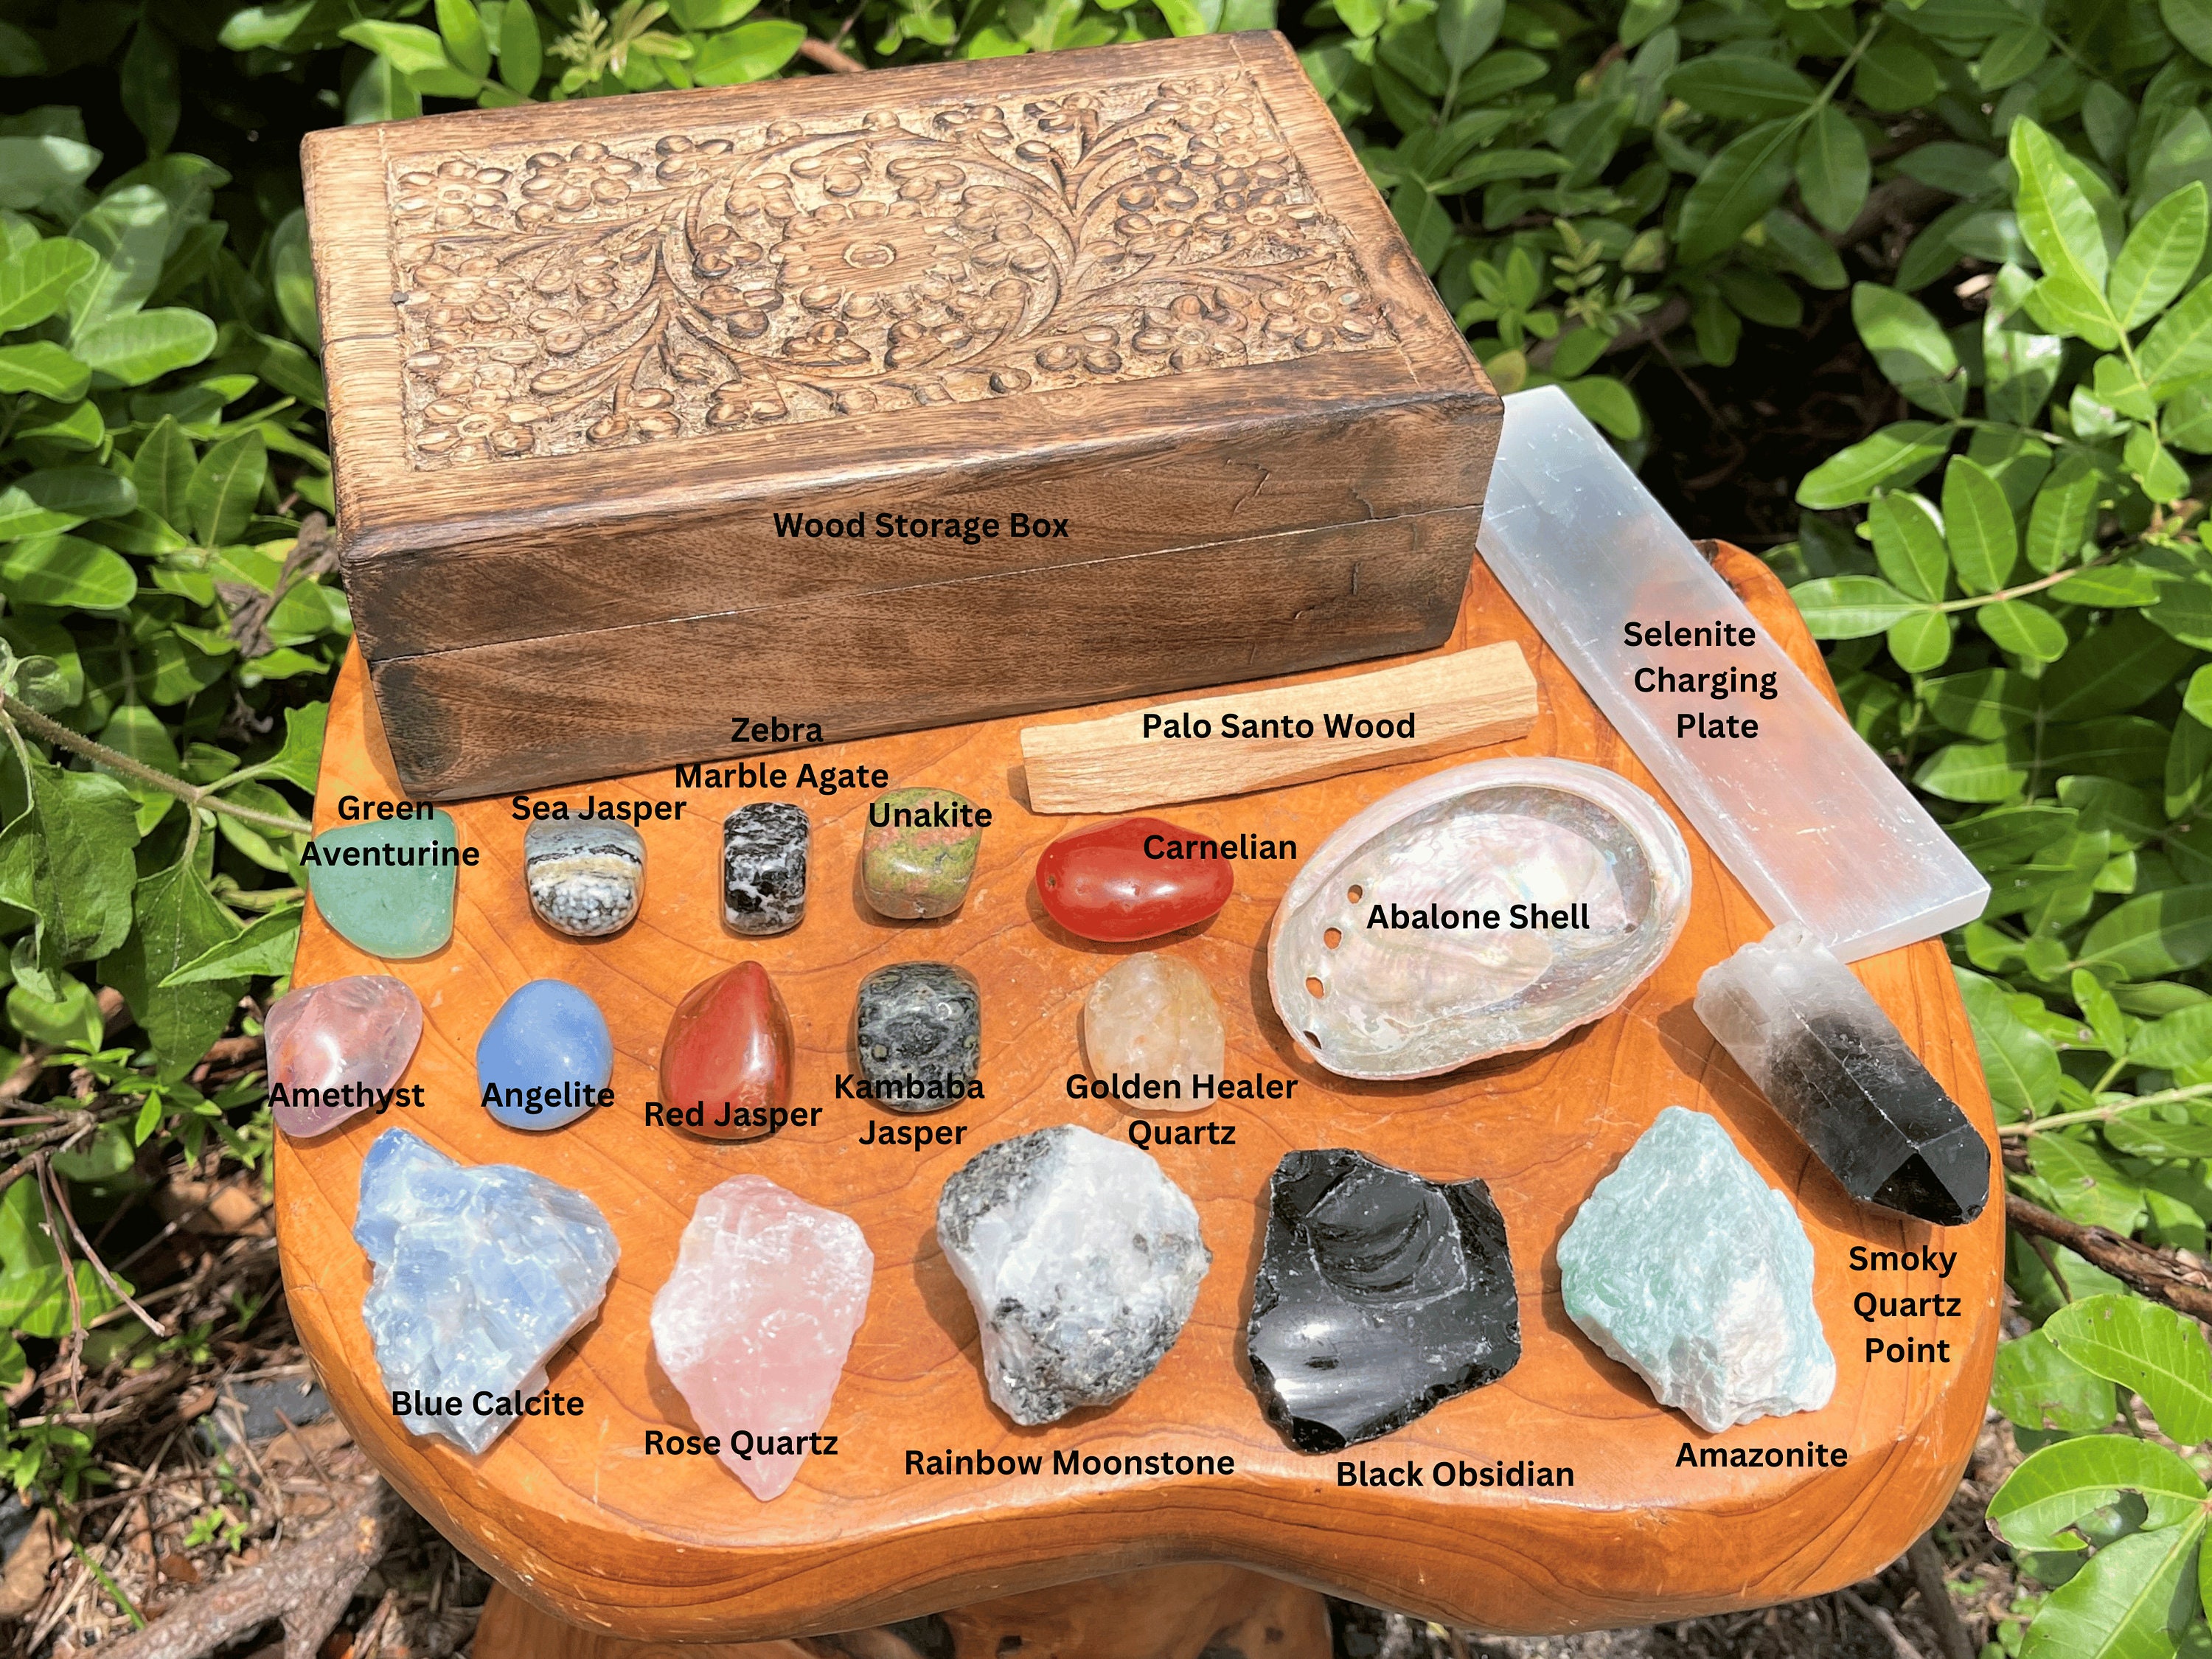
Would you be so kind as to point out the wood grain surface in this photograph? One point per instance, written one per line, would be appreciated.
(570, 1514)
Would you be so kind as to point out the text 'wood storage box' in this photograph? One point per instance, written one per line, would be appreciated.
(658, 417)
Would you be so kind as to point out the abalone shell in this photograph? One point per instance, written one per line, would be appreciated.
(1399, 951)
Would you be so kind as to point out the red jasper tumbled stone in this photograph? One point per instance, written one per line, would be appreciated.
(727, 1057)
(1131, 879)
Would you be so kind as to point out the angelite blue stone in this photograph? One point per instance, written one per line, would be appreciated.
(481, 1274)
(548, 1035)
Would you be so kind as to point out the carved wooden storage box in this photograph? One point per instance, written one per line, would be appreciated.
(597, 368)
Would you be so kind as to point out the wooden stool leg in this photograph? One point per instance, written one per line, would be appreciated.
(1198, 1611)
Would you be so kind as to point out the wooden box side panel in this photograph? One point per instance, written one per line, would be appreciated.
(681, 324)
(535, 713)
(572, 571)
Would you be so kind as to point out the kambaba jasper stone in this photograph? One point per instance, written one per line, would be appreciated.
(919, 854)
(586, 878)
(396, 900)
(1083, 1261)
(1100, 883)
(728, 1053)
(764, 867)
(481, 1275)
(918, 1028)
(1686, 1267)
(544, 1056)
(1380, 1295)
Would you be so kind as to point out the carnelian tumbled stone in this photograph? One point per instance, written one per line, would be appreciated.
(1131, 879)
(726, 1065)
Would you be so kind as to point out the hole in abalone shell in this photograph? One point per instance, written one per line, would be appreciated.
(1313, 1038)
(1332, 938)
(1352, 897)
(1314, 987)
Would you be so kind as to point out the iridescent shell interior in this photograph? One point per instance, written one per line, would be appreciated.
(1367, 999)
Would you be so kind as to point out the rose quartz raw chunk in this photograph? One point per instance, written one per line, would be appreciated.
(334, 1047)
(754, 1324)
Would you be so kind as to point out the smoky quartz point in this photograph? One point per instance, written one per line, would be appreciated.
(1820, 1049)
(1380, 1295)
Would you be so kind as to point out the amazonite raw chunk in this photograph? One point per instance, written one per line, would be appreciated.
(387, 888)
(1690, 1270)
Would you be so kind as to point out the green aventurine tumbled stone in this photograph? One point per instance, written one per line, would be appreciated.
(387, 888)
(1685, 1266)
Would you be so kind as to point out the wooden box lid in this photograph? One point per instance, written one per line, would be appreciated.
(580, 355)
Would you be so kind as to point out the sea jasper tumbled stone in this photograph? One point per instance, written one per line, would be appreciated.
(727, 1057)
(1131, 879)
(387, 887)
(918, 1035)
(764, 867)
(919, 854)
(584, 878)
(544, 1058)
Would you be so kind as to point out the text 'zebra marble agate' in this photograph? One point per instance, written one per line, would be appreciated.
(1487, 908)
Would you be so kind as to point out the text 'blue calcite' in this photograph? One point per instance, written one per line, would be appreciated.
(481, 1274)
(1689, 1269)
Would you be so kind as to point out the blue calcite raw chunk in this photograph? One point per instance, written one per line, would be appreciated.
(764, 867)
(1690, 1270)
(387, 887)
(585, 877)
(481, 1274)
(918, 1035)
(1380, 1295)
(545, 1058)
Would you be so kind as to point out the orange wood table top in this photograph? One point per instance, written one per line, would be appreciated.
(571, 1513)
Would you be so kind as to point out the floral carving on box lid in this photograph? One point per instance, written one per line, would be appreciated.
(556, 301)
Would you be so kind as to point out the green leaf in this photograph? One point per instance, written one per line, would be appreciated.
(1896, 456)
(44, 367)
(225, 486)
(2024, 629)
(301, 759)
(1987, 703)
(2060, 521)
(32, 169)
(2085, 1185)
(1978, 526)
(2038, 1386)
(2014, 54)
(2183, 1038)
(67, 572)
(1849, 607)
(464, 34)
(152, 88)
(2181, 344)
(1908, 544)
(2101, 1011)
(1976, 772)
(2189, 22)
(1735, 192)
(162, 470)
(144, 345)
(2113, 668)
(1742, 89)
(1465, 30)
(84, 829)
(409, 48)
(61, 498)
(34, 282)
(1426, 221)
(2141, 1135)
(292, 276)
(1833, 171)
(2055, 215)
(2160, 255)
(2134, 1599)
(2062, 305)
(178, 922)
(265, 949)
(2055, 1488)
(1895, 74)
(2153, 936)
(129, 229)
(1609, 403)
(521, 48)
(1920, 642)
(1910, 348)
(1805, 249)
(751, 52)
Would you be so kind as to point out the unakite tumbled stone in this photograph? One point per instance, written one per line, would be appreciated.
(387, 888)
(1690, 1270)
(919, 854)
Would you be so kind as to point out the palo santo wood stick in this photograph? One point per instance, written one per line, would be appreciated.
(1289, 734)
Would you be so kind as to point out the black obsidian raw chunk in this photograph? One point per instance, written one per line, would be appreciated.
(1380, 1295)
